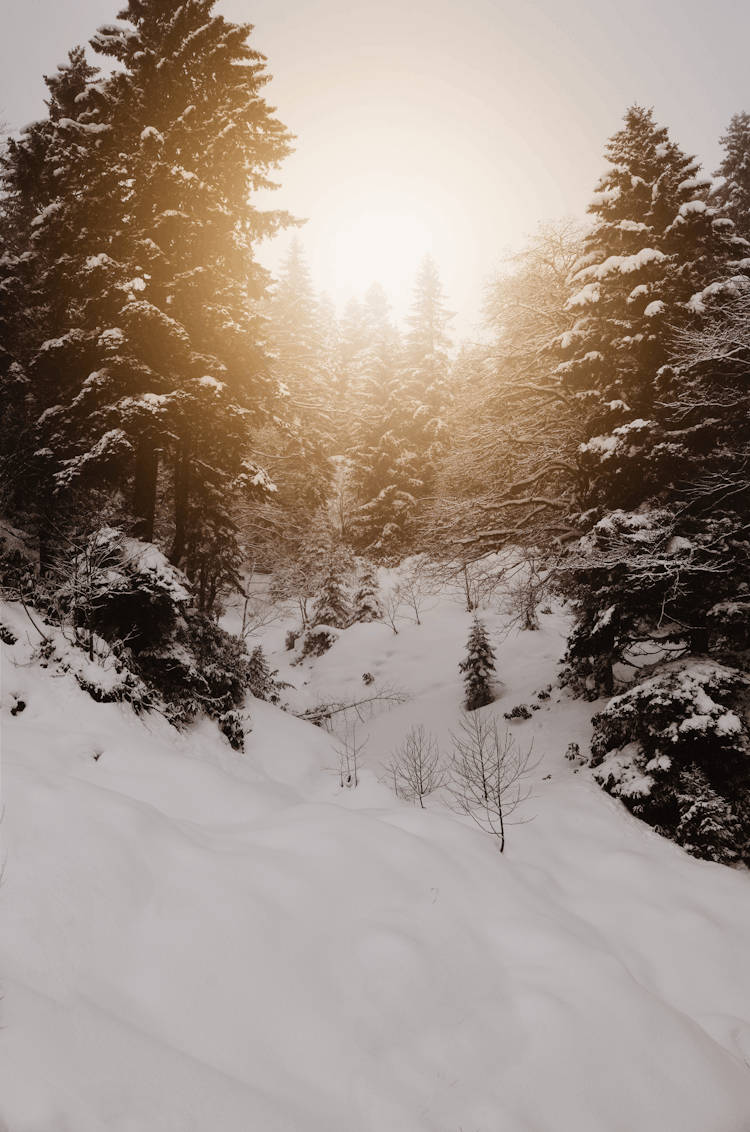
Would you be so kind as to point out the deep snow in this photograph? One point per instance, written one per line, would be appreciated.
(196, 940)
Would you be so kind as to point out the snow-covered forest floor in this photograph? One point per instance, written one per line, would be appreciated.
(200, 940)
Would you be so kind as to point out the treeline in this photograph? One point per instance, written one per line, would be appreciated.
(170, 412)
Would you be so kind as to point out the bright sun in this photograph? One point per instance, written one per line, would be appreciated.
(383, 235)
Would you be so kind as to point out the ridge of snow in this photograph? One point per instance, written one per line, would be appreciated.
(196, 938)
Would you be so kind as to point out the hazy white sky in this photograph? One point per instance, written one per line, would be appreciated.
(429, 125)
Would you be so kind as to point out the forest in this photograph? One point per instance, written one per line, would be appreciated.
(176, 421)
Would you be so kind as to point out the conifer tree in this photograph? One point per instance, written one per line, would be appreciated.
(384, 457)
(426, 380)
(734, 193)
(297, 338)
(427, 343)
(366, 606)
(143, 237)
(331, 605)
(657, 244)
(708, 827)
(478, 667)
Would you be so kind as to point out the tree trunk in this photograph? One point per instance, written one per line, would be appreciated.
(144, 489)
(699, 640)
(181, 502)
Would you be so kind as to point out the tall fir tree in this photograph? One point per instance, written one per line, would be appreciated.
(385, 471)
(143, 237)
(298, 340)
(646, 565)
(733, 194)
(427, 376)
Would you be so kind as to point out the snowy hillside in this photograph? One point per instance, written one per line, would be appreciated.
(198, 940)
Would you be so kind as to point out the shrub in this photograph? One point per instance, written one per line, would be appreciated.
(677, 754)
(478, 668)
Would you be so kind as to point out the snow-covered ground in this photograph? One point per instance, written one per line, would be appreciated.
(196, 940)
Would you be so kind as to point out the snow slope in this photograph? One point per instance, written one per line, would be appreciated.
(195, 940)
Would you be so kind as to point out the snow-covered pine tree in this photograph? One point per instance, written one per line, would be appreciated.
(656, 244)
(332, 605)
(365, 604)
(733, 194)
(297, 339)
(427, 371)
(428, 342)
(708, 827)
(478, 667)
(149, 276)
(385, 459)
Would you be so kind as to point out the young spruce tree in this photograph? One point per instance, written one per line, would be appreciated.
(478, 667)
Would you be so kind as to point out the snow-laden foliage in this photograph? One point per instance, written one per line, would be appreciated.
(734, 191)
(676, 750)
(133, 231)
(365, 603)
(478, 667)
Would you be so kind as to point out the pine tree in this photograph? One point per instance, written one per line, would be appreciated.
(366, 606)
(385, 459)
(708, 827)
(657, 244)
(154, 354)
(734, 194)
(427, 376)
(331, 605)
(297, 338)
(478, 668)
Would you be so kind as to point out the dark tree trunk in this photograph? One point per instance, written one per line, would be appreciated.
(144, 489)
(699, 640)
(181, 502)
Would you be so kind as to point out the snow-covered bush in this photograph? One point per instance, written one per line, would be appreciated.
(331, 604)
(261, 680)
(678, 755)
(134, 613)
(366, 605)
(316, 641)
(478, 668)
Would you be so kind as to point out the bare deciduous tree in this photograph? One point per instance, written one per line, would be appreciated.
(487, 772)
(390, 605)
(325, 712)
(416, 766)
(417, 584)
(528, 585)
(350, 750)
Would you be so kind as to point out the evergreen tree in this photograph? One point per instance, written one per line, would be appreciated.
(331, 605)
(708, 827)
(428, 342)
(734, 193)
(385, 460)
(297, 338)
(657, 244)
(427, 373)
(478, 667)
(366, 605)
(143, 239)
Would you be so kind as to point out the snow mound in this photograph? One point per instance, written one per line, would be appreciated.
(198, 939)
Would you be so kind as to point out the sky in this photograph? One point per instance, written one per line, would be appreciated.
(424, 126)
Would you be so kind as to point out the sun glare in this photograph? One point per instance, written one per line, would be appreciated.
(382, 235)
